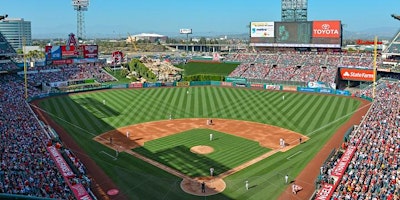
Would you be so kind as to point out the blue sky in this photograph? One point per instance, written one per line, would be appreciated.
(55, 18)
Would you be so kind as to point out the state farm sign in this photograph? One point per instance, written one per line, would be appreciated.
(357, 74)
(326, 29)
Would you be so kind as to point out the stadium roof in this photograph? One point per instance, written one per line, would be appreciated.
(148, 35)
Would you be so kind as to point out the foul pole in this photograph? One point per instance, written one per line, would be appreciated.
(375, 54)
(25, 68)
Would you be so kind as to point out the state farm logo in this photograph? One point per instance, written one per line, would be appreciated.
(346, 74)
(91, 49)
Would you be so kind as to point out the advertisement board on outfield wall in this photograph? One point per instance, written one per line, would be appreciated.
(357, 74)
(326, 29)
(226, 83)
(262, 29)
(272, 87)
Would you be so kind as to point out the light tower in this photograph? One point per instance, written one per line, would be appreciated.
(80, 6)
(294, 11)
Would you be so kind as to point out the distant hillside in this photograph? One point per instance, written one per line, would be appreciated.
(381, 32)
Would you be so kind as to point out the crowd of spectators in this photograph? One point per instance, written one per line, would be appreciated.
(373, 172)
(68, 72)
(297, 66)
(7, 65)
(26, 167)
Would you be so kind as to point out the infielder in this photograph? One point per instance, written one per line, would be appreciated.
(211, 171)
(211, 136)
(247, 185)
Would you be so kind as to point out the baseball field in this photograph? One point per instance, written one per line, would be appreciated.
(247, 126)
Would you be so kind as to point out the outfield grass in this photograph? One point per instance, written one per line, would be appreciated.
(84, 116)
(223, 69)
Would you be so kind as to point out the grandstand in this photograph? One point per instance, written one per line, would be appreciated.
(34, 163)
(299, 68)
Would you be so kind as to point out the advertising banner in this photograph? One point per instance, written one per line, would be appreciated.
(289, 88)
(317, 84)
(226, 83)
(90, 51)
(61, 164)
(53, 52)
(343, 92)
(273, 87)
(262, 29)
(257, 85)
(167, 84)
(240, 84)
(326, 29)
(325, 90)
(344, 161)
(136, 85)
(235, 79)
(303, 89)
(152, 85)
(325, 192)
(63, 62)
(69, 51)
(356, 74)
(80, 192)
(185, 31)
(182, 84)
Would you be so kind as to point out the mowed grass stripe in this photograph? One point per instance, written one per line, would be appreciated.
(313, 117)
(333, 109)
(71, 112)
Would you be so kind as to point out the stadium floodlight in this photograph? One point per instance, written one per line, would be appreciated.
(3, 16)
(80, 6)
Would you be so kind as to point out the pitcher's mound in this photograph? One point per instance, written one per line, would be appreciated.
(202, 149)
(212, 186)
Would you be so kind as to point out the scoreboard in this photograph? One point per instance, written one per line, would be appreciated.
(319, 34)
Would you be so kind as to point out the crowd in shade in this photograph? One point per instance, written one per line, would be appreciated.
(297, 66)
(373, 172)
(7, 66)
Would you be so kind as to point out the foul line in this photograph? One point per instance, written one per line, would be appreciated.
(114, 158)
(288, 158)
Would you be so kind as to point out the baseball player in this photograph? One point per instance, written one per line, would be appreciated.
(211, 136)
(286, 179)
(211, 171)
(247, 185)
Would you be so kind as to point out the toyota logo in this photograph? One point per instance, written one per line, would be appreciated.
(325, 26)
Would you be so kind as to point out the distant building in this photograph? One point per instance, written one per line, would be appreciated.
(15, 30)
(152, 37)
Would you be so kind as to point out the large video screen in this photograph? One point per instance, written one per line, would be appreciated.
(314, 34)
(293, 32)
